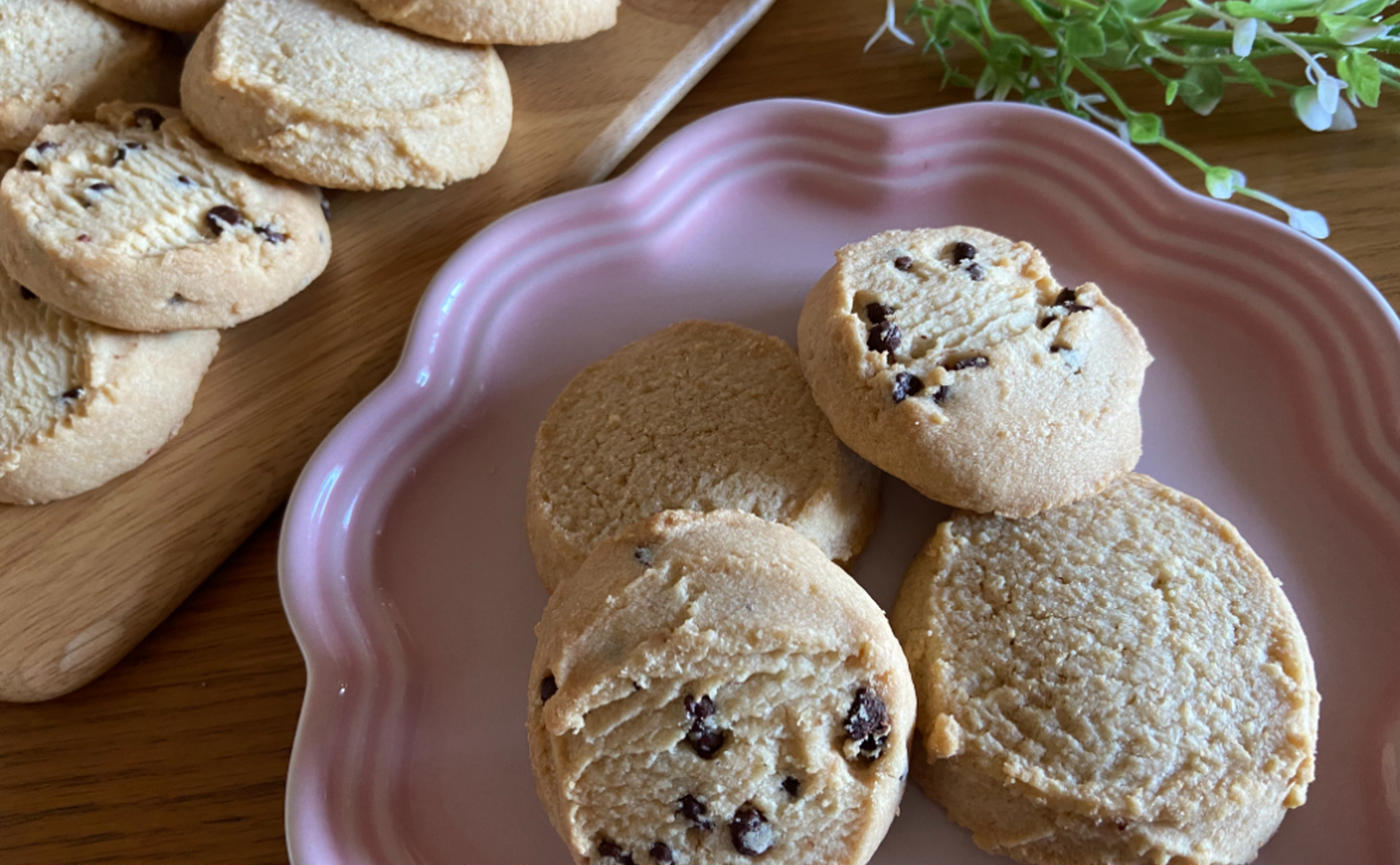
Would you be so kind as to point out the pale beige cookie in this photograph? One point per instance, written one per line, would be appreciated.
(499, 22)
(136, 222)
(318, 91)
(183, 16)
(699, 416)
(709, 688)
(952, 359)
(60, 59)
(1114, 682)
(83, 404)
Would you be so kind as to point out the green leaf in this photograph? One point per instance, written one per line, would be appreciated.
(1144, 128)
(1139, 8)
(1172, 87)
(1241, 9)
(1348, 29)
(1351, 7)
(1084, 38)
(1201, 88)
(1362, 73)
(985, 82)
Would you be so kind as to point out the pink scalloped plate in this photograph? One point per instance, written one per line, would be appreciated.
(1275, 398)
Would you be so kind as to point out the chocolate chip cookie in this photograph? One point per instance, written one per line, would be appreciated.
(83, 404)
(183, 16)
(317, 91)
(135, 222)
(952, 359)
(487, 22)
(701, 416)
(710, 688)
(60, 59)
(1119, 680)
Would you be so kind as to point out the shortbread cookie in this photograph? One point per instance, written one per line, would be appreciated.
(60, 59)
(317, 91)
(709, 688)
(698, 416)
(952, 359)
(183, 16)
(518, 22)
(135, 222)
(83, 404)
(1114, 682)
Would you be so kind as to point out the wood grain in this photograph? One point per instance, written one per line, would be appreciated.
(179, 754)
(85, 579)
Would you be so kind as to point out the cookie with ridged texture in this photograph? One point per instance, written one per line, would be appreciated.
(134, 221)
(952, 359)
(710, 688)
(700, 416)
(318, 91)
(60, 59)
(1114, 682)
(182, 16)
(82, 403)
(518, 22)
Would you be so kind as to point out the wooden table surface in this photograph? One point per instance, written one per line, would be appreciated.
(179, 753)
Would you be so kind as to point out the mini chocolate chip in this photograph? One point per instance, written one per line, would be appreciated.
(1065, 297)
(184, 180)
(884, 337)
(270, 234)
(704, 736)
(868, 722)
(940, 395)
(975, 271)
(28, 165)
(44, 146)
(876, 312)
(906, 385)
(792, 786)
(325, 207)
(609, 849)
(84, 238)
(74, 393)
(1057, 348)
(643, 555)
(963, 251)
(661, 854)
(904, 263)
(100, 187)
(1121, 824)
(548, 687)
(1044, 321)
(222, 216)
(119, 155)
(177, 298)
(695, 811)
(148, 117)
(26, 294)
(750, 832)
(976, 361)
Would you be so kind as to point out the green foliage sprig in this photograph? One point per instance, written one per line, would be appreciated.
(1195, 50)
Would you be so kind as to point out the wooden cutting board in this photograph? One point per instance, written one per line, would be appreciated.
(84, 580)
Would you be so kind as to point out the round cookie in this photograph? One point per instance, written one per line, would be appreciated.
(135, 222)
(1119, 680)
(182, 16)
(83, 404)
(952, 359)
(60, 59)
(318, 91)
(698, 416)
(710, 688)
(516, 22)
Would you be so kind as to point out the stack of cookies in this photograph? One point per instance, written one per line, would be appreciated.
(1103, 671)
(132, 230)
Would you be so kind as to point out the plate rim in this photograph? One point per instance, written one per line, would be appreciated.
(405, 397)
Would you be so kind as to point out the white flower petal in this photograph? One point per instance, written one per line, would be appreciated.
(1328, 91)
(1310, 222)
(1344, 120)
(1308, 107)
(1245, 30)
